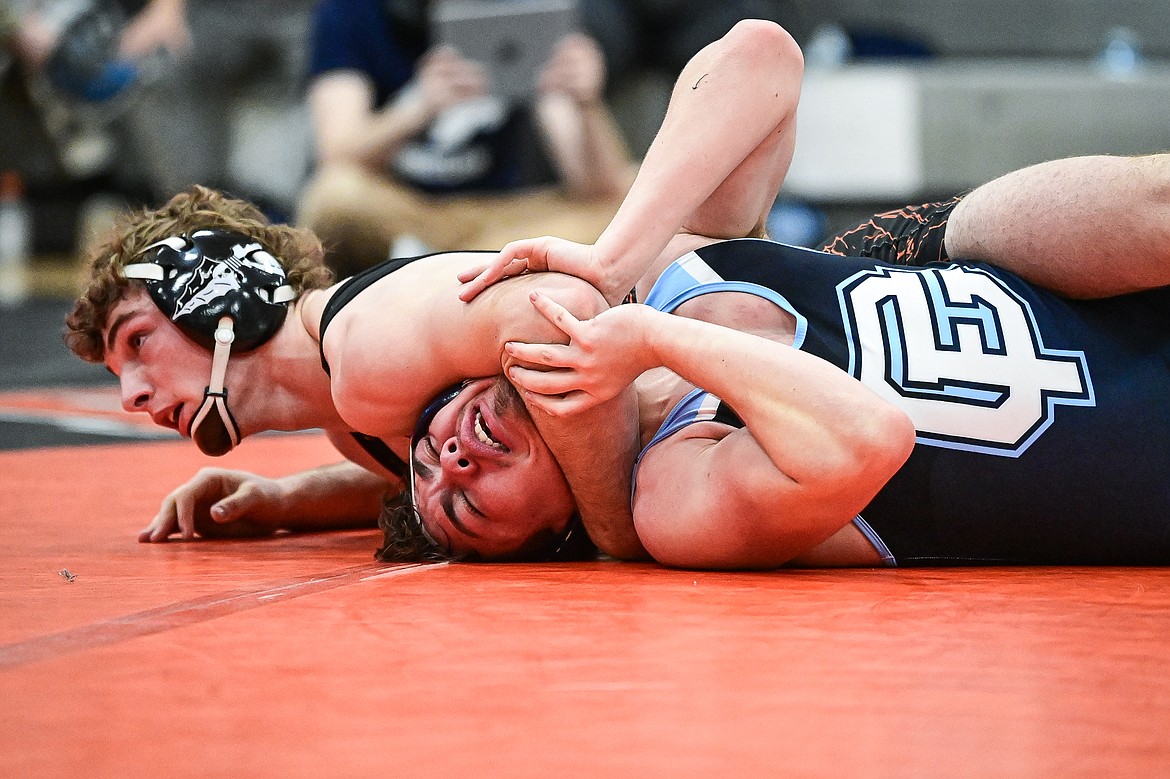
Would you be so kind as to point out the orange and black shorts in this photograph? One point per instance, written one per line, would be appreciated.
(912, 235)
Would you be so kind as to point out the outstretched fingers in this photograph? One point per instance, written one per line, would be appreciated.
(513, 259)
(165, 523)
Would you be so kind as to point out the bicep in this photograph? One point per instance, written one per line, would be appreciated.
(708, 498)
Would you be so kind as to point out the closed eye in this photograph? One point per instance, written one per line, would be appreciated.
(471, 506)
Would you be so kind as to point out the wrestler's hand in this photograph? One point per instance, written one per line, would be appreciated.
(538, 254)
(218, 503)
(604, 356)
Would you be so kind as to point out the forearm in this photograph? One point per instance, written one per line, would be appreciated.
(331, 497)
(596, 450)
(1082, 226)
(349, 130)
(728, 103)
(587, 148)
(810, 417)
(389, 130)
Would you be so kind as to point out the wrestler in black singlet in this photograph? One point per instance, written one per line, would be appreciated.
(347, 291)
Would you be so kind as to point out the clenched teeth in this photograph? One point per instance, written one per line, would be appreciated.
(481, 432)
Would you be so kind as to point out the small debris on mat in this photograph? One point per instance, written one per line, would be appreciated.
(66, 574)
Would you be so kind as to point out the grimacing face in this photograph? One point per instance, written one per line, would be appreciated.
(484, 481)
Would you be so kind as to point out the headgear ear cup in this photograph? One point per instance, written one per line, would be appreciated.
(222, 289)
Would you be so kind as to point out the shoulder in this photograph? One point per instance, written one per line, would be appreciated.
(385, 345)
(579, 296)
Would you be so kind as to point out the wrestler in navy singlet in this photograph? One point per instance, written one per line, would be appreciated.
(1043, 431)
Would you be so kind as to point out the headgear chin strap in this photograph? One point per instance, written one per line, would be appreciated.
(217, 434)
(221, 288)
(420, 429)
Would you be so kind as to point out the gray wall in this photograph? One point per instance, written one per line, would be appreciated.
(1050, 28)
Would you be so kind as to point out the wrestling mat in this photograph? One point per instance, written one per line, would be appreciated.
(300, 656)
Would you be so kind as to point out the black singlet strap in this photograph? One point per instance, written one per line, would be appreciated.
(384, 455)
(725, 414)
(350, 289)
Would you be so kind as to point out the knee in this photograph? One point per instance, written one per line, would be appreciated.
(331, 198)
(335, 207)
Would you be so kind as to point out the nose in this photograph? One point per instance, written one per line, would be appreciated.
(454, 460)
(135, 392)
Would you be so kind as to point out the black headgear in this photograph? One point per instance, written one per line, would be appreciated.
(199, 278)
(222, 289)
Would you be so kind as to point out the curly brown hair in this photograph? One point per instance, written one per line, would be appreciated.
(298, 250)
(403, 538)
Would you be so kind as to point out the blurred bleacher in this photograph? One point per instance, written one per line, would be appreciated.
(954, 93)
(934, 97)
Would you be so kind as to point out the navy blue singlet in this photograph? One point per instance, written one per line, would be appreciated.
(1043, 426)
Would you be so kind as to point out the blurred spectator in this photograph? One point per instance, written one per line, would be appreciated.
(227, 112)
(153, 93)
(71, 83)
(412, 149)
(663, 34)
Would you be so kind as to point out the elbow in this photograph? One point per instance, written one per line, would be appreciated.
(889, 439)
(901, 434)
(871, 449)
(767, 44)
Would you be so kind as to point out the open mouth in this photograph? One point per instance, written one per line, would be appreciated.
(484, 434)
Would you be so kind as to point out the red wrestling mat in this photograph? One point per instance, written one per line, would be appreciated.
(302, 657)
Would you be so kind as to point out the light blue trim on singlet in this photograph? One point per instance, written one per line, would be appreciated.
(879, 545)
(696, 406)
(686, 279)
(689, 277)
